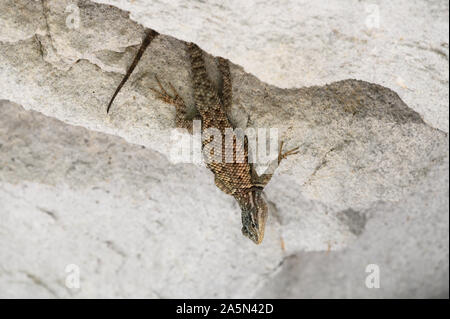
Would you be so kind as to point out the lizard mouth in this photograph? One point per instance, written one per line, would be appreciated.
(252, 235)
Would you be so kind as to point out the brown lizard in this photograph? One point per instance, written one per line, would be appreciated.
(239, 177)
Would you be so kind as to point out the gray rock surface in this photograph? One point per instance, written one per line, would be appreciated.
(407, 240)
(139, 225)
(120, 212)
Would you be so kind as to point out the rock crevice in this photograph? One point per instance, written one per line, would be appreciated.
(114, 185)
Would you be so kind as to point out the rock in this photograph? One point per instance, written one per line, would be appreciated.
(294, 43)
(407, 241)
(121, 208)
(120, 212)
(21, 19)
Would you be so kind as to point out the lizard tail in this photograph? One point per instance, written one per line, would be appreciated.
(151, 34)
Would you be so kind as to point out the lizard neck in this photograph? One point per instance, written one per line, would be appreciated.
(245, 195)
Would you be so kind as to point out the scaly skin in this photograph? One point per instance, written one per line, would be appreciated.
(237, 178)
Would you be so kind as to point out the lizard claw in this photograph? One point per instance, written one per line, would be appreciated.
(163, 95)
(282, 155)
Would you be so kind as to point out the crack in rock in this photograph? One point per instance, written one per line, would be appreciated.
(39, 282)
(48, 212)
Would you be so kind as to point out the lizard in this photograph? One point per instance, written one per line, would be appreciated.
(237, 178)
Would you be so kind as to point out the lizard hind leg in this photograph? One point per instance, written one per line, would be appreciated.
(182, 118)
(283, 155)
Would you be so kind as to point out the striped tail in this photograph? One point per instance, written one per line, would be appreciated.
(206, 97)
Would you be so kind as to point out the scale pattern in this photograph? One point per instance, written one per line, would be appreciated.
(235, 176)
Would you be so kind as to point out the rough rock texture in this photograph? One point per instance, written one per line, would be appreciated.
(122, 213)
(138, 225)
(407, 239)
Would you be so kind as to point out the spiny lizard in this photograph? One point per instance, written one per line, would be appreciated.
(239, 177)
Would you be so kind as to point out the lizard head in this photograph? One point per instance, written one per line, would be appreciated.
(254, 215)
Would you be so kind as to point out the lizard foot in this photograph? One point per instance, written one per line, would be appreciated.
(182, 118)
(166, 97)
(282, 155)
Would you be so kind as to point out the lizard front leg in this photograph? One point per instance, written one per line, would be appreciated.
(263, 179)
(183, 119)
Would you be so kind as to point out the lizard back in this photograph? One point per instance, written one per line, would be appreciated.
(234, 176)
